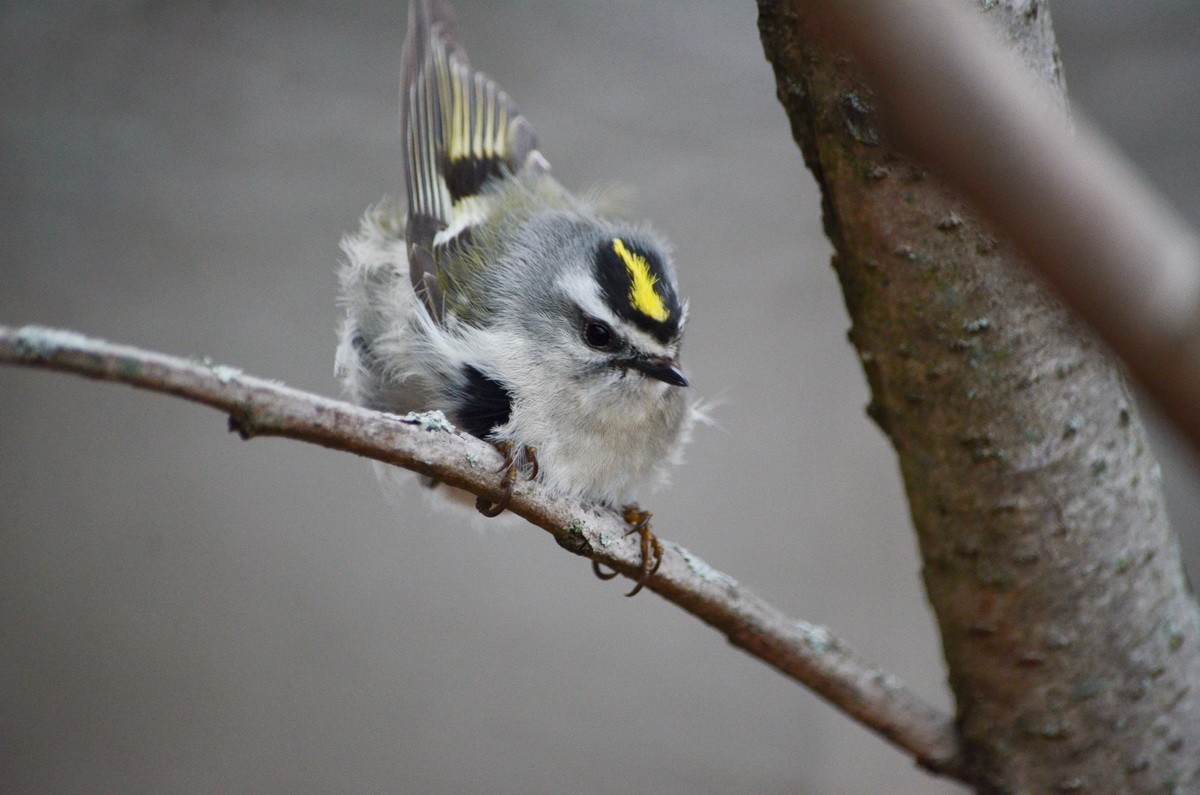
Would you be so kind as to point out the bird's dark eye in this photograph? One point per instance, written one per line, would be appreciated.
(598, 334)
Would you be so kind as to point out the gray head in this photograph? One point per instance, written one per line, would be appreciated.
(598, 298)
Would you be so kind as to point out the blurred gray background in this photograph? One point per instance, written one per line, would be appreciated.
(182, 611)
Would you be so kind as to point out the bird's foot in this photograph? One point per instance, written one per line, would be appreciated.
(652, 549)
(510, 468)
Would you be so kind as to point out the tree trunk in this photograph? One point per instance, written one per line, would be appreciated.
(1072, 639)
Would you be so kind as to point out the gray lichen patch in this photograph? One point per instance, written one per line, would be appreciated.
(1074, 425)
(704, 571)
(887, 681)
(977, 325)
(817, 637)
(949, 222)
(429, 420)
(225, 373)
(856, 116)
(39, 342)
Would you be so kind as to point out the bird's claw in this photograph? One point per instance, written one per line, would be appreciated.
(652, 549)
(510, 468)
(601, 573)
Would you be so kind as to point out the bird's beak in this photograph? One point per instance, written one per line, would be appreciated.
(659, 367)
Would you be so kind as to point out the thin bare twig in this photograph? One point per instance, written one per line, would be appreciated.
(424, 443)
(1112, 247)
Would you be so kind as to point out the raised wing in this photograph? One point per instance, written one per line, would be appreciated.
(459, 130)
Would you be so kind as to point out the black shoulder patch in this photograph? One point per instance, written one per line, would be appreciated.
(467, 176)
(636, 287)
(485, 404)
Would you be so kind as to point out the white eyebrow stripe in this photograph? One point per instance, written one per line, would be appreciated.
(643, 341)
(586, 293)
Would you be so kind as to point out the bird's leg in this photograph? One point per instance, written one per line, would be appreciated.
(639, 522)
(510, 468)
(652, 549)
(530, 455)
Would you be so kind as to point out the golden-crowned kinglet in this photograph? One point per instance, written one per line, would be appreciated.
(530, 317)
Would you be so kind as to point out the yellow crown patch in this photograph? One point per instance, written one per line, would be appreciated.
(642, 293)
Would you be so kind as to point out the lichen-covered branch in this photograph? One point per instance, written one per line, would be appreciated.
(1072, 639)
(425, 443)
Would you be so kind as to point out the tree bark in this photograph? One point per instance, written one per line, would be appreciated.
(1071, 637)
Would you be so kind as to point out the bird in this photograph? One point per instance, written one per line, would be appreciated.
(539, 320)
